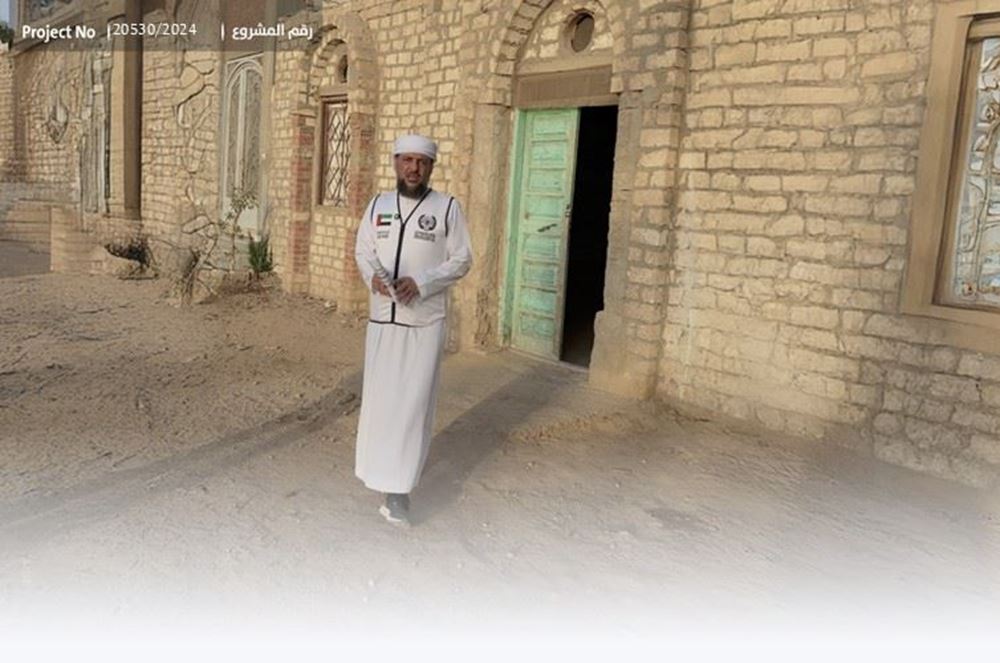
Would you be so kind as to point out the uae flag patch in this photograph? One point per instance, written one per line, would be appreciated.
(384, 219)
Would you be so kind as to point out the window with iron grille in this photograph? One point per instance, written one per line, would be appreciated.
(336, 153)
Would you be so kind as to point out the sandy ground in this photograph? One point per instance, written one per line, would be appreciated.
(186, 473)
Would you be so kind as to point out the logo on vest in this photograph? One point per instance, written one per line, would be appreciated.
(427, 222)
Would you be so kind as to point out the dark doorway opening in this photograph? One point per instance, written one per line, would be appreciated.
(588, 231)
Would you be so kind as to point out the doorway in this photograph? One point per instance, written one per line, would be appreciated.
(588, 231)
(558, 233)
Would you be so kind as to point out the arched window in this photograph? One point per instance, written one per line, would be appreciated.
(335, 143)
(336, 152)
(241, 128)
(95, 172)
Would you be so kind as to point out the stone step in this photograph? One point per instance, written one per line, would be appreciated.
(30, 226)
(72, 233)
(74, 266)
(77, 260)
(25, 215)
(71, 236)
(34, 238)
(21, 223)
(37, 247)
(41, 239)
(74, 269)
(82, 250)
(20, 241)
(77, 251)
(75, 239)
(72, 247)
(30, 232)
(28, 214)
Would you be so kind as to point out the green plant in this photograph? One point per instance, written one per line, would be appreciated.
(260, 256)
(208, 252)
(241, 200)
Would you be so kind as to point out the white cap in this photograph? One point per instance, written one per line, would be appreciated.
(415, 144)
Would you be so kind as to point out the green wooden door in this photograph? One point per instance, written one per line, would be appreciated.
(542, 194)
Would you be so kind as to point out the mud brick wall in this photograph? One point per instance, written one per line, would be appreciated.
(546, 37)
(798, 163)
(180, 146)
(291, 153)
(7, 156)
(48, 93)
(763, 183)
(402, 59)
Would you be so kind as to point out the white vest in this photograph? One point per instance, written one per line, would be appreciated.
(413, 246)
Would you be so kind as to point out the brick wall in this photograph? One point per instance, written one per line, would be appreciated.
(180, 145)
(159, 146)
(6, 114)
(402, 60)
(765, 165)
(547, 36)
(48, 86)
(798, 165)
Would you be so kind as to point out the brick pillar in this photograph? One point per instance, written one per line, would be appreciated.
(629, 330)
(353, 295)
(300, 223)
(126, 129)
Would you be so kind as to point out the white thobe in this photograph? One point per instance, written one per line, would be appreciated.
(404, 345)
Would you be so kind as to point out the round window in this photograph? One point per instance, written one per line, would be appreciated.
(581, 32)
(342, 69)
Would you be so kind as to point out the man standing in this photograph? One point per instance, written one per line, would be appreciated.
(412, 245)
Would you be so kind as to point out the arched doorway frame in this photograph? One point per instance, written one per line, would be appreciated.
(487, 139)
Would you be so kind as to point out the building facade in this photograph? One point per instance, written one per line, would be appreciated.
(778, 210)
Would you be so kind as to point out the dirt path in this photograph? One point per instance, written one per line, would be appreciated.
(191, 471)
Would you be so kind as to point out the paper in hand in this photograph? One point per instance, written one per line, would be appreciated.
(383, 275)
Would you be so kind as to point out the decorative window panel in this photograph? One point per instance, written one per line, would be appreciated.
(250, 175)
(95, 170)
(971, 275)
(950, 274)
(232, 139)
(241, 131)
(105, 185)
(336, 153)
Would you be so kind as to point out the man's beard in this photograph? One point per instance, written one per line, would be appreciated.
(408, 191)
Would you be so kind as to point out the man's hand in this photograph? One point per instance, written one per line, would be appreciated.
(379, 287)
(406, 290)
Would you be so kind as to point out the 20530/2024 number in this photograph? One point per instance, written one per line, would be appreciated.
(151, 29)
